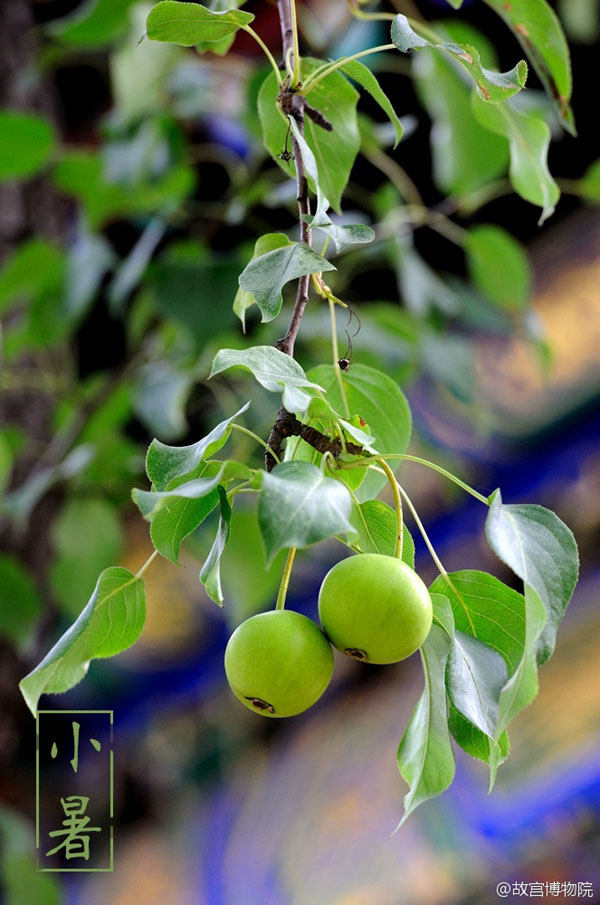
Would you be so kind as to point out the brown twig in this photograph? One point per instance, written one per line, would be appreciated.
(287, 425)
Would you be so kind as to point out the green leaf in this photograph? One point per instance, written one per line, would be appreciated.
(93, 24)
(478, 744)
(150, 502)
(488, 609)
(499, 266)
(274, 370)
(81, 173)
(360, 73)
(425, 756)
(379, 401)
(491, 86)
(265, 277)
(111, 622)
(34, 268)
(81, 554)
(375, 524)
(522, 686)
(190, 23)
(299, 506)
(22, 883)
(466, 156)
(475, 676)
(210, 574)
(26, 144)
(248, 585)
(244, 299)
(589, 185)
(529, 139)
(537, 28)
(334, 151)
(542, 551)
(167, 464)
(170, 525)
(343, 236)
(21, 600)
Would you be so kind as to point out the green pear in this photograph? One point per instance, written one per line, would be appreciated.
(278, 663)
(375, 608)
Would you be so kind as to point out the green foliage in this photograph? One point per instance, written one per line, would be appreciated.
(537, 28)
(265, 277)
(275, 371)
(379, 401)
(334, 151)
(87, 537)
(299, 506)
(491, 86)
(21, 600)
(111, 621)
(375, 525)
(425, 756)
(175, 295)
(541, 550)
(499, 266)
(191, 23)
(28, 142)
(529, 139)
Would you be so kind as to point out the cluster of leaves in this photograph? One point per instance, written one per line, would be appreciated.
(488, 640)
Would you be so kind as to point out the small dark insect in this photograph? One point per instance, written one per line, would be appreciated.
(343, 363)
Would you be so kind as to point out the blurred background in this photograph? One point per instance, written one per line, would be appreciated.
(134, 185)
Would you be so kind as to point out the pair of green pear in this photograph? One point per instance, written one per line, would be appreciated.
(372, 607)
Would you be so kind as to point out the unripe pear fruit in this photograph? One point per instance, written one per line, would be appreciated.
(278, 663)
(375, 608)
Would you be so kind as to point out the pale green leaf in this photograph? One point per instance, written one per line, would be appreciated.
(191, 23)
(244, 299)
(265, 277)
(111, 622)
(210, 574)
(529, 139)
(150, 502)
(274, 370)
(425, 756)
(542, 551)
(165, 464)
(537, 28)
(365, 78)
(491, 86)
(299, 506)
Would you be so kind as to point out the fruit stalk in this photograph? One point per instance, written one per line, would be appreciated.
(285, 578)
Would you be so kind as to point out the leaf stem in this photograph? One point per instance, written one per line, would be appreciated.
(295, 46)
(249, 433)
(398, 506)
(285, 579)
(337, 64)
(405, 457)
(266, 51)
(336, 355)
(148, 562)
